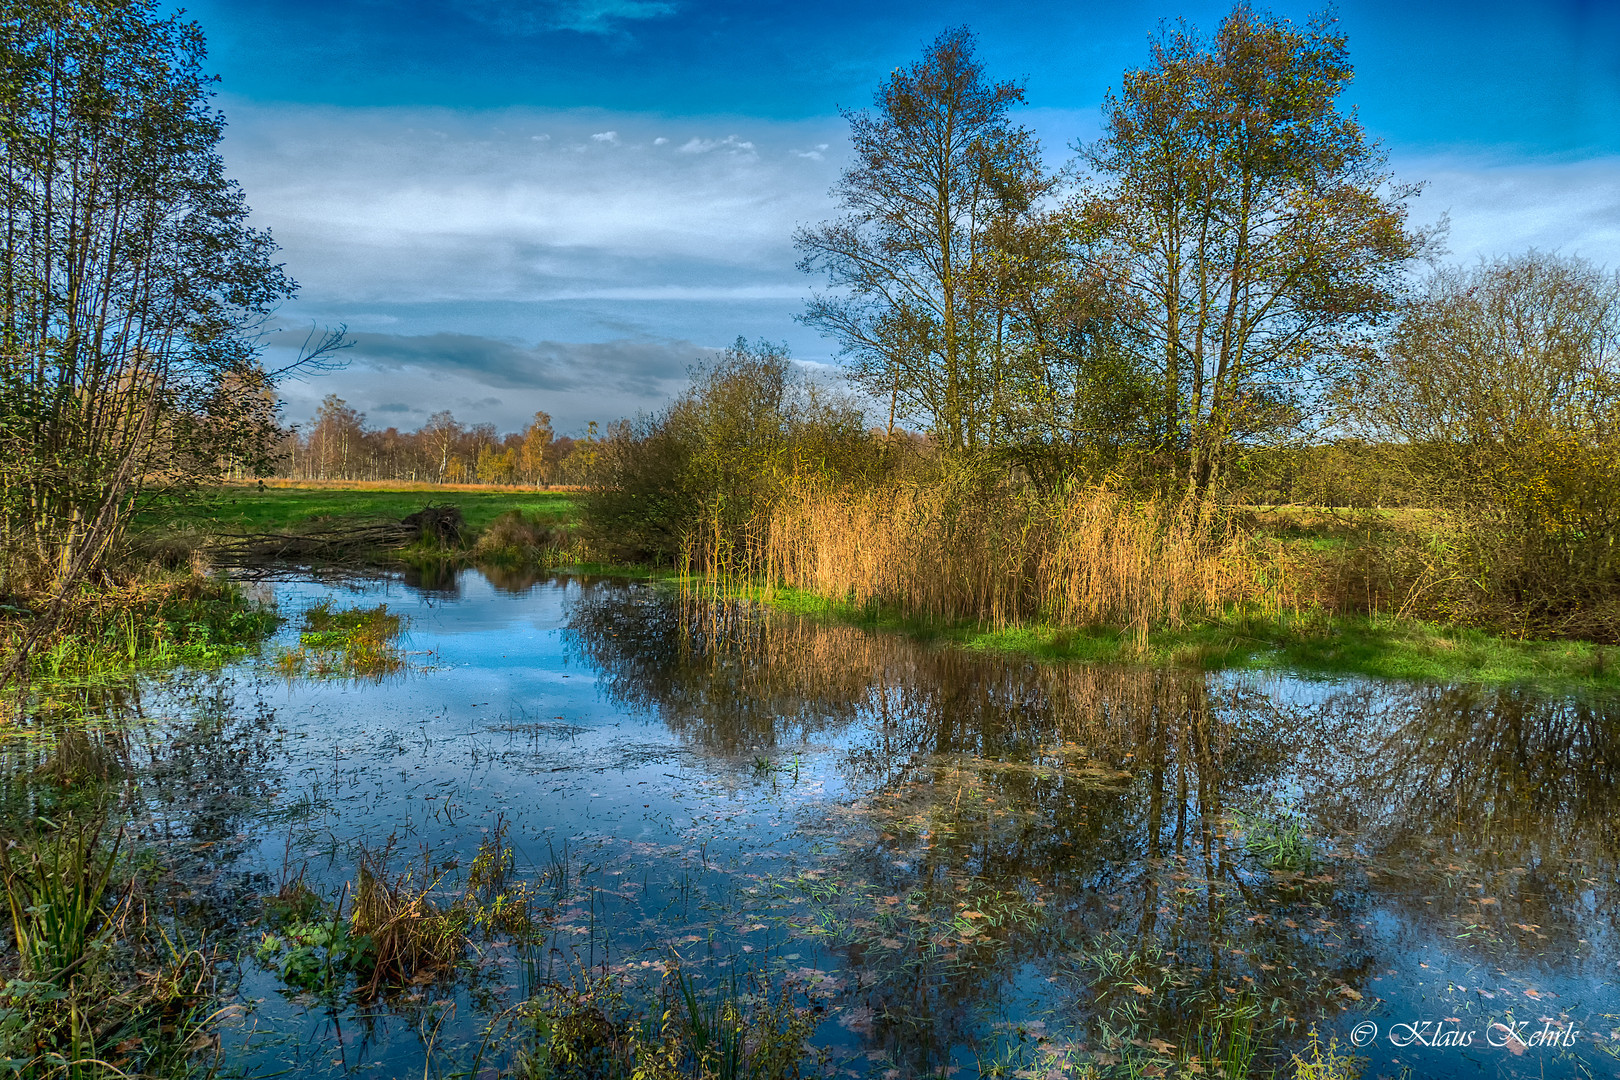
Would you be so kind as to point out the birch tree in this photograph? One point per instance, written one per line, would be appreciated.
(937, 162)
(1250, 225)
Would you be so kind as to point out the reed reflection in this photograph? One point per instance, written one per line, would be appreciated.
(1182, 859)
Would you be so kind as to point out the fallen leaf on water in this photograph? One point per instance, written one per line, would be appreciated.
(1514, 1044)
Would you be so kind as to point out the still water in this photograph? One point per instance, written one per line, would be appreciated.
(966, 864)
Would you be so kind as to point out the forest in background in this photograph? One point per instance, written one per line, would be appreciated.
(338, 445)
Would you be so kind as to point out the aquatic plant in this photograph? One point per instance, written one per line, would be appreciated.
(54, 894)
(492, 898)
(738, 1030)
(317, 953)
(411, 937)
(1325, 1062)
(1279, 840)
(742, 1028)
(351, 643)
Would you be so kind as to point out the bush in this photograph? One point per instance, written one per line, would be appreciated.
(706, 466)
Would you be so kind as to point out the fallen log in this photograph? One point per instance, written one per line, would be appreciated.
(336, 541)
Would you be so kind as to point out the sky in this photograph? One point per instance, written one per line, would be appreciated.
(517, 205)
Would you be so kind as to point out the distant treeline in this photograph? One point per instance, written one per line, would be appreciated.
(338, 445)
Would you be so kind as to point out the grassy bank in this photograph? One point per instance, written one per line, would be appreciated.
(1327, 645)
(155, 621)
(249, 508)
(1272, 590)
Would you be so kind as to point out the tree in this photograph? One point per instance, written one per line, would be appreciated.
(439, 436)
(131, 287)
(336, 441)
(937, 164)
(539, 453)
(1070, 397)
(1499, 391)
(495, 465)
(693, 478)
(1248, 224)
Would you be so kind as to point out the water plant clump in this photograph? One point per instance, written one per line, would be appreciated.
(358, 642)
(743, 1027)
(317, 952)
(95, 988)
(1279, 840)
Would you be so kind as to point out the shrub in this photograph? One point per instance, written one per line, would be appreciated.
(709, 463)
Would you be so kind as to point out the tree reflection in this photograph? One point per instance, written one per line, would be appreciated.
(1180, 854)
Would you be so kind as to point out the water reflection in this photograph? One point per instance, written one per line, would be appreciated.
(1184, 854)
(970, 862)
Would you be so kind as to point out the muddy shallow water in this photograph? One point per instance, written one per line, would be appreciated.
(968, 864)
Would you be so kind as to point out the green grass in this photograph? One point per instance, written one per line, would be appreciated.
(355, 643)
(273, 509)
(168, 621)
(1382, 646)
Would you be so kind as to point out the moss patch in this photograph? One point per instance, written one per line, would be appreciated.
(1384, 647)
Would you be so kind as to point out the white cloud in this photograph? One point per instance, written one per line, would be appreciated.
(421, 222)
(730, 144)
(402, 205)
(580, 16)
(1502, 207)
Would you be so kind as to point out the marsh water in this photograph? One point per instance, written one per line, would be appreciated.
(965, 864)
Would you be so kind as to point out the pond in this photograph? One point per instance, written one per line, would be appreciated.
(956, 863)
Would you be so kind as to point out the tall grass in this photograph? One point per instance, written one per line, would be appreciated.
(54, 893)
(1087, 556)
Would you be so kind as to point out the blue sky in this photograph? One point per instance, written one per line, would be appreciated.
(560, 205)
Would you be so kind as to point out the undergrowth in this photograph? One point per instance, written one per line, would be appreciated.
(95, 988)
(163, 620)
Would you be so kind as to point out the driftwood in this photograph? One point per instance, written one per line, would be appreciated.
(337, 541)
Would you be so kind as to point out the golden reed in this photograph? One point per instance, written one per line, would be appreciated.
(1089, 556)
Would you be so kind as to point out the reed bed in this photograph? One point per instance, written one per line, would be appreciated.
(1088, 556)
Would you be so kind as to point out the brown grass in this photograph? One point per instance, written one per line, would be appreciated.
(412, 936)
(1087, 557)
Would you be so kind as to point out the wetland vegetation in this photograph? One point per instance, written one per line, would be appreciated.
(1278, 578)
(593, 827)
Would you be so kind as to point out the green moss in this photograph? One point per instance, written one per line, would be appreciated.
(1383, 647)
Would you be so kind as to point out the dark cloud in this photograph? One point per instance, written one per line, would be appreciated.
(629, 366)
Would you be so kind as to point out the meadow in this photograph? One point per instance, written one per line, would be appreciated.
(279, 505)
